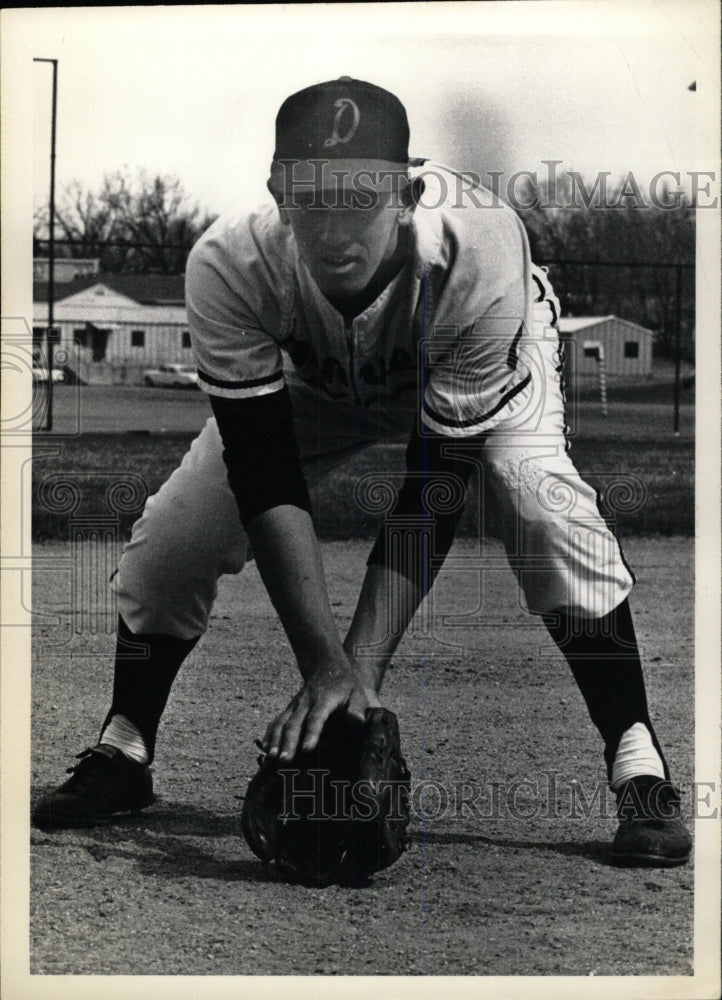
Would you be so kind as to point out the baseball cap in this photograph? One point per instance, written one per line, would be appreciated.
(335, 129)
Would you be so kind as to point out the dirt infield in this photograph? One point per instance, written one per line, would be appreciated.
(506, 874)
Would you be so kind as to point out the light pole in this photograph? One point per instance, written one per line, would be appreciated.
(51, 332)
(677, 351)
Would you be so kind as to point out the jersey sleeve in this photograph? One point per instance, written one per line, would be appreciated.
(476, 376)
(236, 355)
(232, 301)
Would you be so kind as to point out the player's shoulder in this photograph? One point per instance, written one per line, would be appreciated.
(251, 237)
(243, 263)
(457, 217)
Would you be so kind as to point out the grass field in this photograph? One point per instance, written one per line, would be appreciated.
(107, 436)
(660, 501)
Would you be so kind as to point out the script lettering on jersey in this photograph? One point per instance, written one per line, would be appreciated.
(302, 354)
(386, 380)
(334, 379)
(383, 378)
(336, 138)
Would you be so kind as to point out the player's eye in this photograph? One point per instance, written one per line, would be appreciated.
(308, 203)
(361, 200)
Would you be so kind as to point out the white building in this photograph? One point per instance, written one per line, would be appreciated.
(65, 268)
(625, 347)
(113, 326)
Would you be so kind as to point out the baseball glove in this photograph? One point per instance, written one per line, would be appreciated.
(337, 814)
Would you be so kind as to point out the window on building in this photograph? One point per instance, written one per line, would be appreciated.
(631, 348)
(186, 340)
(591, 352)
(137, 338)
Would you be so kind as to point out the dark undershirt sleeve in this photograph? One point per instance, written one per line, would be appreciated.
(418, 532)
(261, 453)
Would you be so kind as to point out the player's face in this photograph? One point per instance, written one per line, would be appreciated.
(343, 247)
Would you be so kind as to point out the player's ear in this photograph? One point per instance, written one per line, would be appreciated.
(278, 198)
(410, 195)
(406, 214)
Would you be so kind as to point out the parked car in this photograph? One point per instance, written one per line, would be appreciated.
(40, 374)
(174, 375)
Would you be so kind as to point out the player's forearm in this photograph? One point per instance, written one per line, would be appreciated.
(289, 561)
(386, 605)
(264, 472)
(403, 564)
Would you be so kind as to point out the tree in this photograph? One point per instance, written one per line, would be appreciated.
(139, 226)
(81, 217)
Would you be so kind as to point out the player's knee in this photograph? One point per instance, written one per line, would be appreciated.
(503, 480)
(233, 560)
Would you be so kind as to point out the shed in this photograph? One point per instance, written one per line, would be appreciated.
(625, 346)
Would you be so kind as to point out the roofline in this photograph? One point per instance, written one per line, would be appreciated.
(65, 291)
(596, 320)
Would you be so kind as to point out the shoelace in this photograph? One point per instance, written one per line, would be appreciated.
(79, 756)
(82, 756)
(659, 800)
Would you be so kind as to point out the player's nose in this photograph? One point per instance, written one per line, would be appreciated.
(332, 231)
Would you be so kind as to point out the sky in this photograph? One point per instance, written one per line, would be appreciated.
(193, 91)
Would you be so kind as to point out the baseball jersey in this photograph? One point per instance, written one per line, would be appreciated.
(452, 327)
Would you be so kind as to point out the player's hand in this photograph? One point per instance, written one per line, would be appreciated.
(301, 722)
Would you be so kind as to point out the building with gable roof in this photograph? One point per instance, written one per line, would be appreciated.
(623, 346)
(113, 326)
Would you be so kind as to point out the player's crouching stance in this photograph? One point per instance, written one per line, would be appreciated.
(396, 316)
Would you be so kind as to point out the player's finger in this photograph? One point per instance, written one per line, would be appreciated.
(290, 735)
(315, 721)
(268, 740)
(272, 738)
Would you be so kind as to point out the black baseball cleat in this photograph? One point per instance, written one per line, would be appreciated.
(651, 832)
(104, 783)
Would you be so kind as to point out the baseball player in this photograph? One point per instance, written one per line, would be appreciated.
(375, 296)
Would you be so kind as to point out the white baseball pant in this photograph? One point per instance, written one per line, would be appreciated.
(559, 547)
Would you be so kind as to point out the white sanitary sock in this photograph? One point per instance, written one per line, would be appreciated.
(636, 755)
(122, 734)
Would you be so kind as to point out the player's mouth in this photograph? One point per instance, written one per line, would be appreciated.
(338, 263)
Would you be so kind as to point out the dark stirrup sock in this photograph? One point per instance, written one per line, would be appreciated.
(604, 658)
(145, 667)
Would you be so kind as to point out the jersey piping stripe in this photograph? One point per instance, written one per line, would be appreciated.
(262, 390)
(251, 383)
(512, 358)
(549, 300)
(476, 421)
